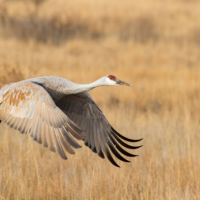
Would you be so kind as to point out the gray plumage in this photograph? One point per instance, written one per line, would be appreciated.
(55, 112)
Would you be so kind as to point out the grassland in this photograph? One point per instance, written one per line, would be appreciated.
(155, 46)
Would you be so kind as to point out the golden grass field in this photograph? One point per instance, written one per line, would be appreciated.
(153, 45)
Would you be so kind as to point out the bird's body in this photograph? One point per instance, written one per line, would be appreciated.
(54, 111)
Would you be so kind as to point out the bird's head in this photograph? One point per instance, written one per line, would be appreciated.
(112, 80)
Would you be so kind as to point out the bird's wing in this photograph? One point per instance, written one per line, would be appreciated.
(98, 134)
(28, 107)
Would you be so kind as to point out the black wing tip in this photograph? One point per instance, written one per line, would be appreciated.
(64, 158)
(131, 140)
(101, 155)
(139, 140)
(116, 165)
(136, 147)
(132, 155)
(123, 143)
(86, 143)
(124, 138)
(94, 150)
(36, 140)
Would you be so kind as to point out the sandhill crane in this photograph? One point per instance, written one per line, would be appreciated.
(54, 111)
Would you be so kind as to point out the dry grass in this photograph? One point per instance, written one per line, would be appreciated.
(163, 106)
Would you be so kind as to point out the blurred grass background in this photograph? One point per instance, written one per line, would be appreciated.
(153, 45)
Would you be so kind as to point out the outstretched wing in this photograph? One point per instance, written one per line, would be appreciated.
(98, 133)
(28, 107)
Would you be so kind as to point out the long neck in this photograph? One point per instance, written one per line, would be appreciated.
(85, 87)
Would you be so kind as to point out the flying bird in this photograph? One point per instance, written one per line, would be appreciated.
(55, 111)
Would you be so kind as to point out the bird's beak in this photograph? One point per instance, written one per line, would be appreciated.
(123, 83)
